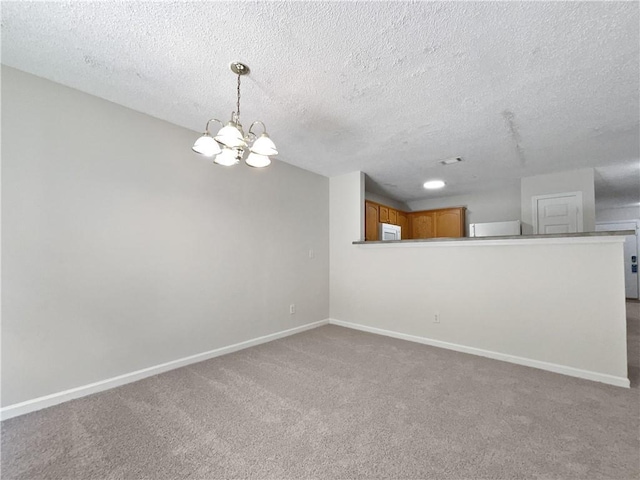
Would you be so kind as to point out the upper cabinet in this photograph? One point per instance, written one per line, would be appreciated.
(403, 221)
(444, 222)
(450, 222)
(383, 214)
(371, 221)
(423, 224)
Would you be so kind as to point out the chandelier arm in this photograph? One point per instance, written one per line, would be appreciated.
(206, 129)
(264, 128)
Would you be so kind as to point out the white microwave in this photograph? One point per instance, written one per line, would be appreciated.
(389, 232)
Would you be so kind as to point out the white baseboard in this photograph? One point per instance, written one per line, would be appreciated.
(527, 362)
(39, 403)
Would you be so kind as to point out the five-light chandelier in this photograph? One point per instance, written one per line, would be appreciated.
(230, 144)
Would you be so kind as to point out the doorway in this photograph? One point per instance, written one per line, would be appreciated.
(631, 279)
(557, 213)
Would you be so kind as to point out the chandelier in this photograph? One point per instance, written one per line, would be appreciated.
(230, 144)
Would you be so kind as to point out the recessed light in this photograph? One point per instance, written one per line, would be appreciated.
(433, 184)
(451, 161)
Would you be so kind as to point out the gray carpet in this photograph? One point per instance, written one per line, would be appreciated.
(337, 403)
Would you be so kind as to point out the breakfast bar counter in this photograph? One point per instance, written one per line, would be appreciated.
(506, 239)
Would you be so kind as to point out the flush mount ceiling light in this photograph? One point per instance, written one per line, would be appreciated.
(230, 144)
(433, 184)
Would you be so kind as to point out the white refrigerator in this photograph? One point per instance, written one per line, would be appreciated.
(495, 229)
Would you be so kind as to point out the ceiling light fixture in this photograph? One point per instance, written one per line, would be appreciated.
(230, 144)
(433, 184)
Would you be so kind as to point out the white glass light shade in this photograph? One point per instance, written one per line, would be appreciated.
(258, 161)
(206, 145)
(433, 184)
(231, 136)
(226, 158)
(264, 146)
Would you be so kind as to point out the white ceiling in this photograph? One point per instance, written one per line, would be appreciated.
(389, 88)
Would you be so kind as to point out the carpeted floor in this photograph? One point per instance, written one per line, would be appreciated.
(337, 403)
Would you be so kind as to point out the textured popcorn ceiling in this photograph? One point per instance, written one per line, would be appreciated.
(389, 88)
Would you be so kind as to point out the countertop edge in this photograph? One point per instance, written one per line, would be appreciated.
(589, 237)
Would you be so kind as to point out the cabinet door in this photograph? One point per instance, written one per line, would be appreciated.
(383, 214)
(450, 222)
(423, 225)
(393, 216)
(403, 221)
(370, 221)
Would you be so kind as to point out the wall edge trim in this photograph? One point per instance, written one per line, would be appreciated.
(527, 362)
(45, 401)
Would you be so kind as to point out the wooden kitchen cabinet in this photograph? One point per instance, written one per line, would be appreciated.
(403, 221)
(383, 214)
(423, 224)
(443, 222)
(370, 221)
(450, 222)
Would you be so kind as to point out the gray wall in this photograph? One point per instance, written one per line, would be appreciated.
(571, 181)
(546, 301)
(122, 249)
(389, 202)
(497, 205)
(618, 214)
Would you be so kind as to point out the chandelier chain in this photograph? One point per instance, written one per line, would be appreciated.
(238, 103)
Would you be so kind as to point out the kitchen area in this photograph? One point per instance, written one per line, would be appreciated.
(385, 223)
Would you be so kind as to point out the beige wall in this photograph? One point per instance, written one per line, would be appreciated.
(571, 181)
(121, 249)
(559, 302)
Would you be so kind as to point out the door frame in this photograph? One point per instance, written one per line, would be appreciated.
(579, 213)
(637, 229)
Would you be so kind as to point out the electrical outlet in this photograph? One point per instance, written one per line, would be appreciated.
(312, 254)
(292, 308)
(436, 318)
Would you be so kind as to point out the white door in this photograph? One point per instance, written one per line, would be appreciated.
(631, 280)
(557, 213)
